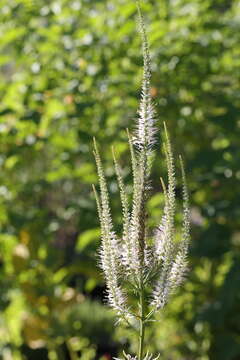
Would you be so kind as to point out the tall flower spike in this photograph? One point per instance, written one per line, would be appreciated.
(144, 137)
(143, 141)
(164, 255)
(171, 175)
(179, 267)
(126, 246)
(174, 267)
(133, 159)
(109, 251)
(159, 267)
(164, 239)
(165, 231)
(186, 208)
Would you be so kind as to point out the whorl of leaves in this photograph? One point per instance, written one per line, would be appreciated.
(129, 357)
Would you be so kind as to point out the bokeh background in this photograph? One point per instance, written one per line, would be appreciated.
(71, 70)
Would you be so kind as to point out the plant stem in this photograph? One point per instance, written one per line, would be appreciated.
(142, 325)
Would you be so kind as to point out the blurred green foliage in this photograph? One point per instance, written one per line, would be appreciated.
(70, 70)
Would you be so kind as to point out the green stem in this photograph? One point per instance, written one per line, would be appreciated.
(142, 325)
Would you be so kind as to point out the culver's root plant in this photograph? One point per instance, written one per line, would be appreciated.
(138, 261)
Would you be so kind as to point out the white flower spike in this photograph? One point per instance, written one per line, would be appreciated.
(133, 261)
